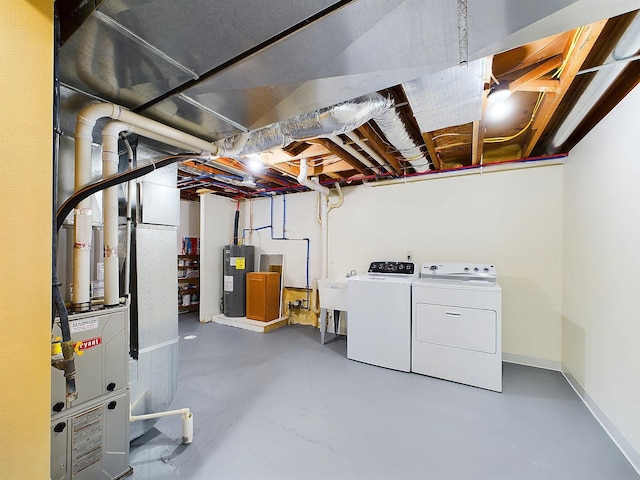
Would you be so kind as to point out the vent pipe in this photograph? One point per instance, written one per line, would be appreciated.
(85, 123)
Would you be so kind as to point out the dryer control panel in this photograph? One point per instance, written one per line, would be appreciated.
(403, 268)
(461, 271)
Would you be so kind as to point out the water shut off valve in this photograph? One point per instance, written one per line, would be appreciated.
(62, 358)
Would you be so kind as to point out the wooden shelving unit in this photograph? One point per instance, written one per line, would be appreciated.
(188, 283)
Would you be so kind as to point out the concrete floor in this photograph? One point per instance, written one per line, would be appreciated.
(282, 406)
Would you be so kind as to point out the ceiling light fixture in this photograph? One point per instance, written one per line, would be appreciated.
(499, 111)
(499, 92)
(254, 163)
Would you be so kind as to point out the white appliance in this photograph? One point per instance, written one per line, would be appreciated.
(457, 324)
(379, 326)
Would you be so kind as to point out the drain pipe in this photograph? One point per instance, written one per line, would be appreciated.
(348, 148)
(324, 210)
(325, 207)
(110, 160)
(85, 124)
(187, 421)
(352, 135)
(340, 201)
(131, 184)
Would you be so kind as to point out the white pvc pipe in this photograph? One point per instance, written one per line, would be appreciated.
(85, 123)
(480, 170)
(338, 141)
(340, 201)
(131, 189)
(324, 227)
(303, 180)
(187, 421)
(324, 211)
(372, 153)
(187, 428)
(110, 160)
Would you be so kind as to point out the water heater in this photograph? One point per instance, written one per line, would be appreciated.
(237, 261)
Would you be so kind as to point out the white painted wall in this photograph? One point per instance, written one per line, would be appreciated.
(216, 228)
(601, 323)
(512, 219)
(300, 223)
(189, 221)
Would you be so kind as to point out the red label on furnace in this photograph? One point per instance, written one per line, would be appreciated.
(90, 342)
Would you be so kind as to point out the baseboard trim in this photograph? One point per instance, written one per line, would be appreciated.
(532, 361)
(627, 450)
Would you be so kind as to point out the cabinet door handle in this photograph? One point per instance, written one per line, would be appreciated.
(453, 314)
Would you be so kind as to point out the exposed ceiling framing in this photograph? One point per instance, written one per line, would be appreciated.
(215, 69)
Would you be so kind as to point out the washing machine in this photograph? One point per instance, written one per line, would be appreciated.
(379, 309)
(457, 324)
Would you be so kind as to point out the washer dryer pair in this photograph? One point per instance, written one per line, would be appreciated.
(445, 322)
(457, 324)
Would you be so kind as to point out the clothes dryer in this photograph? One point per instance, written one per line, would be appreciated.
(457, 324)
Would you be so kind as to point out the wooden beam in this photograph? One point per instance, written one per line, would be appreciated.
(335, 149)
(379, 146)
(330, 169)
(296, 148)
(536, 73)
(623, 85)
(574, 60)
(238, 166)
(540, 85)
(526, 56)
(431, 148)
(277, 156)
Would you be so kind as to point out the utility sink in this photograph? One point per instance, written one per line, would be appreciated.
(333, 294)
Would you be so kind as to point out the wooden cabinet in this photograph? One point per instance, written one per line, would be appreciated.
(263, 296)
(188, 283)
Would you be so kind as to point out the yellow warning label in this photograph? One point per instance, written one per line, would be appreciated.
(239, 263)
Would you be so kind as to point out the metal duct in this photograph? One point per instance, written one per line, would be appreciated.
(393, 128)
(331, 121)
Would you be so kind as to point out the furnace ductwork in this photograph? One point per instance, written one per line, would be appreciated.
(338, 119)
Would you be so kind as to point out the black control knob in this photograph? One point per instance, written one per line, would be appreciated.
(111, 387)
(466, 269)
(433, 268)
(112, 405)
(476, 269)
(486, 269)
(58, 407)
(59, 427)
